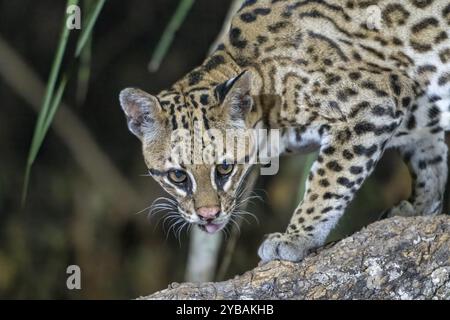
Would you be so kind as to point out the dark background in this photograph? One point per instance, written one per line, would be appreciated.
(72, 216)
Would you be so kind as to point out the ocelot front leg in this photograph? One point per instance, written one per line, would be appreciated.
(427, 161)
(343, 163)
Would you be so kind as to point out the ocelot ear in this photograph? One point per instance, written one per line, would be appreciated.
(142, 111)
(235, 94)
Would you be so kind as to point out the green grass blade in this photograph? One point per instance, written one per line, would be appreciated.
(45, 127)
(87, 30)
(84, 73)
(56, 66)
(55, 104)
(84, 69)
(52, 100)
(166, 40)
(38, 130)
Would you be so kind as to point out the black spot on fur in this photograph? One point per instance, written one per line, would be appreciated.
(204, 99)
(356, 169)
(334, 166)
(261, 39)
(373, 51)
(262, 11)
(331, 43)
(444, 79)
(330, 195)
(396, 41)
(347, 154)
(421, 3)
(411, 124)
(236, 40)
(248, 17)
(395, 14)
(354, 75)
(436, 130)
(344, 135)
(378, 110)
(324, 182)
(425, 23)
(324, 128)
(332, 79)
(406, 101)
(434, 98)
(446, 13)
(426, 68)
(433, 112)
(360, 150)
(195, 77)
(358, 107)
(277, 26)
(444, 54)
(422, 164)
(436, 160)
(214, 62)
(369, 165)
(343, 95)
(329, 150)
(327, 209)
(345, 182)
(395, 85)
(357, 56)
(364, 127)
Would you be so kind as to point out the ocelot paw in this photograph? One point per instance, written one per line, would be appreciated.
(284, 246)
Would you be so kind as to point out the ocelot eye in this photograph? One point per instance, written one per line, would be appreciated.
(224, 169)
(177, 176)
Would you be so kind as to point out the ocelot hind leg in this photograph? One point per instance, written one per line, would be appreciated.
(427, 162)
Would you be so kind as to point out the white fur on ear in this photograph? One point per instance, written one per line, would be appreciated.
(140, 109)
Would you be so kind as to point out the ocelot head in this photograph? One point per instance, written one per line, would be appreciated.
(186, 136)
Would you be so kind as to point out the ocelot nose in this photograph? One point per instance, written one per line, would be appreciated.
(208, 213)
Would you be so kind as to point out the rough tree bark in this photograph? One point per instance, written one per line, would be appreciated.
(397, 258)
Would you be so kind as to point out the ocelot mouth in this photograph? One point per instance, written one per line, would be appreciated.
(212, 227)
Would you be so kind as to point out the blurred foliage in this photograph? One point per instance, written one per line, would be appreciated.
(167, 36)
(68, 219)
(52, 99)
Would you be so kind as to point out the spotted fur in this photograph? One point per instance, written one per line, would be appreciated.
(318, 72)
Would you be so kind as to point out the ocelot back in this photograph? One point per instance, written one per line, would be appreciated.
(350, 77)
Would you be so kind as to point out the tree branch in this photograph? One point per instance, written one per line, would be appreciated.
(397, 258)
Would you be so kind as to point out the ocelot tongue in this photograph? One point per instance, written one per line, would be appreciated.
(211, 227)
